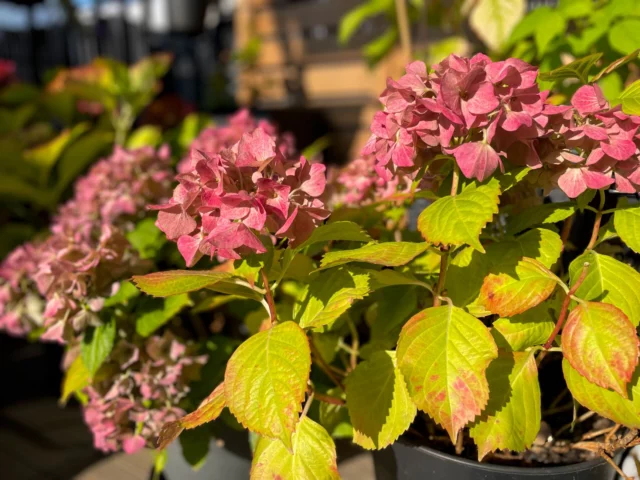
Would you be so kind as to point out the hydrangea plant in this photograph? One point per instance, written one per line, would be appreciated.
(357, 319)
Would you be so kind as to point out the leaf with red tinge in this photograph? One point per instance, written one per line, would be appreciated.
(601, 343)
(266, 380)
(208, 411)
(443, 353)
(605, 402)
(507, 294)
(174, 282)
(512, 417)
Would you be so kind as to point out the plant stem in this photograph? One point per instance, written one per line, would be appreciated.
(323, 365)
(269, 295)
(565, 305)
(444, 259)
(355, 344)
(307, 405)
(321, 397)
(566, 229)
(402, 19)
(597, 222)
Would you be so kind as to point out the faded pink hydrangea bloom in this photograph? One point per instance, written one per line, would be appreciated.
(483, 113)
(126, 411)
(87, 251)
(230, 196)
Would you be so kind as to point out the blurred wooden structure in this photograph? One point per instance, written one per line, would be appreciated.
(300, 65)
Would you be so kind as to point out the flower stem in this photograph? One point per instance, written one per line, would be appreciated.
(323, 365)
(269, 296)
(444, 259)
(565, 305)
(321, 397)
(597, 222)
(455, 180)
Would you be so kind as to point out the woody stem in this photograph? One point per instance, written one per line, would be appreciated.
(269, 296)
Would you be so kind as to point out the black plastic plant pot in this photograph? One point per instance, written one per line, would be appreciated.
(187, 16)
(405, 461)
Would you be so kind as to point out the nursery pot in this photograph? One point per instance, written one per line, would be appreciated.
(187, 16)
(405, 461)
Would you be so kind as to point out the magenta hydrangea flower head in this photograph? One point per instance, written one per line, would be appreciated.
(125, 411)
(590, 145)
(236, 194)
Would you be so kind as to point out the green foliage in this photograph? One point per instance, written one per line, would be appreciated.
(156, 312)
(147, 239)
(97, 345)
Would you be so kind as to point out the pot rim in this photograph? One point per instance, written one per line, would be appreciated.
(523, 471)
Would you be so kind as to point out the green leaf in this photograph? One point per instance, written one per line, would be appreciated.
(17, 189)
(459, 220)
(540, 215)
(45, 156)
(443, 353)
(76, 378)
(508, 294)
(352, 20)
(554, 25)
(376, 49)
(525, 330)
(630, 99)
(97, 345)
(608, 281)
(79, 155)
(627, 224)
(164, 310)
(575, 8)
(605, 402)
(601, 343)
(146, 238)
(126, 292)
(173, 282)
(494, 20)
(388, 254)
(330, 295)
(577, 69)
(337, 231)
(266, 379)
(210, 409)
(145, 136)
(394, 308)
(616, 64)
(511, 420)
(312, 455)
(612, 87)
(379, 403)
(624, 36)
(195, 446)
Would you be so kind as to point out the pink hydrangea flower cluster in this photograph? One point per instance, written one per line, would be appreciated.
(216, 138)
(482, 112)
(590, 145)
(233, 195)
(357, 183)
(127, 410)
(87, 251)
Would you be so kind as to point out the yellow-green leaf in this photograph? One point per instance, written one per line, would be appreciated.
(525, 330)
(610, 281)
(266, 379)
(389, 254)
(443, 353)
(459, 220)
(600, 342)
(75, 379)
(494, 20)
(173, 282)
(312, 456)
(378, 400)
(511, 420)
(337, 231)
(625, 411)
(626, 221)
